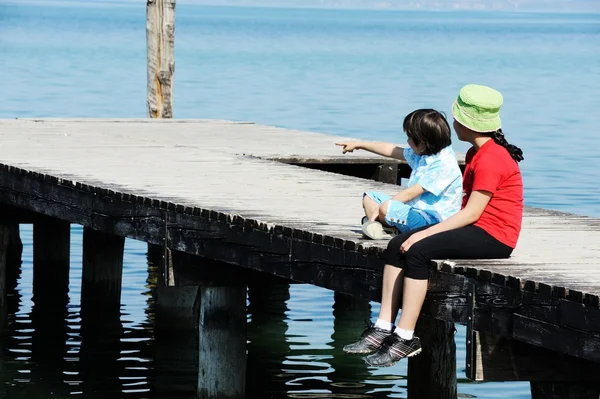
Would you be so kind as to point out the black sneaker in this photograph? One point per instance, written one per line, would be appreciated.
(370, 341)
(394, 350)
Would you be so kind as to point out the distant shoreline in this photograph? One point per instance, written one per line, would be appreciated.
(568, 7)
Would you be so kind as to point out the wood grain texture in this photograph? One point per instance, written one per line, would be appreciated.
(222, 365)
(160, 40)
(211, 190)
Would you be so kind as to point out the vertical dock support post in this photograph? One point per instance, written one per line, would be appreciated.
(160, 40)
(102, 263)
(4, 240)
(266, 330)
(102, 269)
(51, 264)
(51, 253)
(564, 390)
(222, 369)
(432, 374)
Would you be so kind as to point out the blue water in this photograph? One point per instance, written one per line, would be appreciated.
(355, 73)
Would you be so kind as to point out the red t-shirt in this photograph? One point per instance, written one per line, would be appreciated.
(491, 168)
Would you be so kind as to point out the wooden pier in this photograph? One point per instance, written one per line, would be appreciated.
(264, 199)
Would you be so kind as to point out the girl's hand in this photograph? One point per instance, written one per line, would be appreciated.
(349, 146)
(413, 239)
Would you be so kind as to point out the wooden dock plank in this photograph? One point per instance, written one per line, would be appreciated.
(226, 167)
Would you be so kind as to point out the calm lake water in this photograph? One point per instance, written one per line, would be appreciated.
(355, 73)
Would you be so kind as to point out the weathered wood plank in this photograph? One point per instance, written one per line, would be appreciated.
(102, 269)
(51, 260)
(5, 232)
(160, 39)
(498, 358)
(222, 365)
(432, 374)
(210, 191)
(551, 390)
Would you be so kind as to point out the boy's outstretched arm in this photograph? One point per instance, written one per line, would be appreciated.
(377, 147)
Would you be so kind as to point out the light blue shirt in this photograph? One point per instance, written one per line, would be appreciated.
(441, 178)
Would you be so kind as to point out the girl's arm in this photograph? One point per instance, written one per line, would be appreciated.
(381, 148)
(466, 216)
(409, 193)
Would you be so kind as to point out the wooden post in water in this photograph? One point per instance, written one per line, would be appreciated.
(4, 239)
(102, 269)
(222, 366)
(51, 252)
(432, 374)
(160, 39)
(564, 390)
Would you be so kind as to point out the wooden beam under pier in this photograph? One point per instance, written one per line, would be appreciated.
(213, 190)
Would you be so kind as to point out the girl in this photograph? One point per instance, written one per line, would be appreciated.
(487, 226)
(434, 189)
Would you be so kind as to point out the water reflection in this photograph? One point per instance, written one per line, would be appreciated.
(295, 334)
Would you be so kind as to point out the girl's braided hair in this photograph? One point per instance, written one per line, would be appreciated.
(515, 152)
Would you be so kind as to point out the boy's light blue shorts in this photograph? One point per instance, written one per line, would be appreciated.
(399, 215)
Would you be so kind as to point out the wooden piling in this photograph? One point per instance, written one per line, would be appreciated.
(101, 327)
(102, 268)
(551, 390)
(160, 40)
(432, 374)
(222, 369)
(350, 314)
(267, 347)
(4, 239)
(51, 252)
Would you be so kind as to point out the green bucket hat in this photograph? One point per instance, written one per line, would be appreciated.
(478, 108)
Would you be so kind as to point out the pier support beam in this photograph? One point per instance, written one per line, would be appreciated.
(266, 332)
(5, 233)
(350, 314)
(102, 269)
(222, 369)
(160, 39)
(51, 252)
(432, 374)
(557, 390)
(11, 249)
(212, 295)
(101, 327)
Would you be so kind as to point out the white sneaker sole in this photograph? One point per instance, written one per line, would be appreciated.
(375, 231)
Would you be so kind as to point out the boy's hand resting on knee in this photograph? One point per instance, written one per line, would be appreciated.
(413, 239)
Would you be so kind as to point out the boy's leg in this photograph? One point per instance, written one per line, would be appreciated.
(404, 217)
(371, 208)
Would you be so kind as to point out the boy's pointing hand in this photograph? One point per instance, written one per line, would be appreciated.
(348, 147)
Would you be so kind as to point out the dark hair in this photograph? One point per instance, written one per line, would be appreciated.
(515, 152)
(429, 127)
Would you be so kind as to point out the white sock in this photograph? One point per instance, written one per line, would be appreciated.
(384, 325)
(404, 334)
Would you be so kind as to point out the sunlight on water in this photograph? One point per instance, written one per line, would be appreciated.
(341, 72)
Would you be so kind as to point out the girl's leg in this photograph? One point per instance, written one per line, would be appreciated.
(412, 301)
(371, 208)
(469, 242)
(390, 293)
(374, 336)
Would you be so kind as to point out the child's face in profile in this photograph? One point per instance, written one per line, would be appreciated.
(461, 131)
(418, 149)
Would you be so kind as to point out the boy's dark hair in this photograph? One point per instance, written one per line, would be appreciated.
(430, 127)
